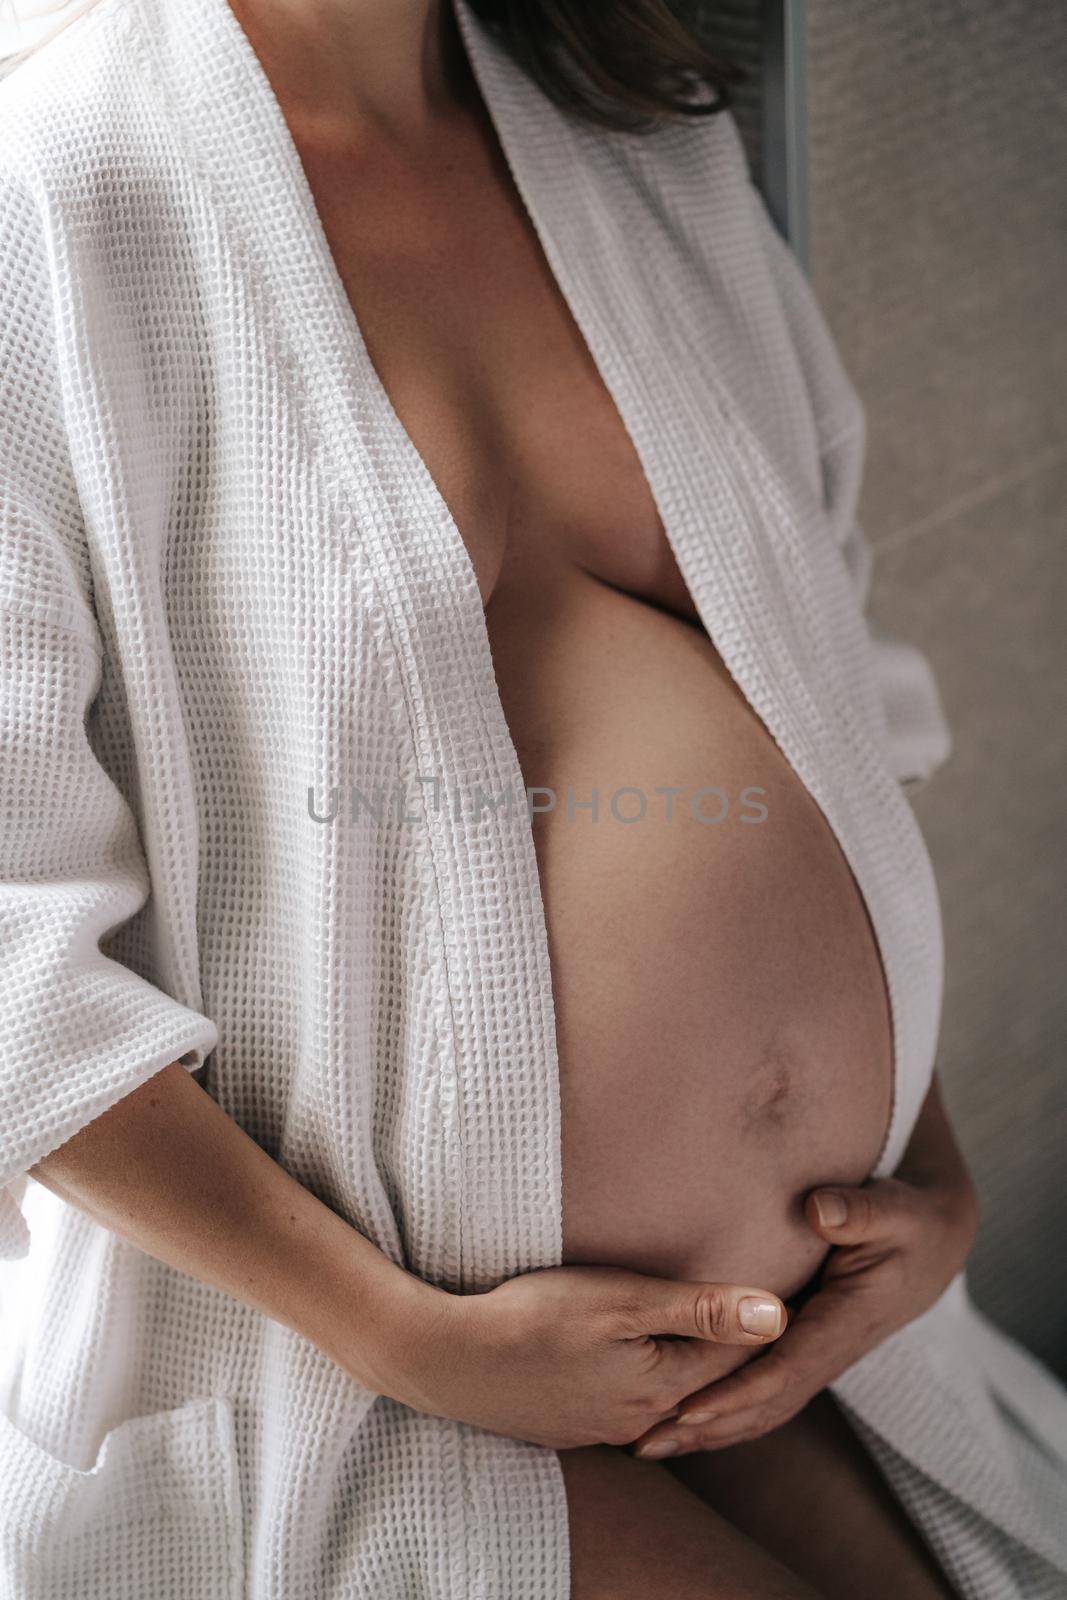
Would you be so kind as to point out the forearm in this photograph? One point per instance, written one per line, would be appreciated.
(933, 1156)
(168, 1170)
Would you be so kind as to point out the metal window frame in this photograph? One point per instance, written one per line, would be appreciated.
(784, 117)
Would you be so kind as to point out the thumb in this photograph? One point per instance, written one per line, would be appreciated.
(873, 1214)
(721, 1313)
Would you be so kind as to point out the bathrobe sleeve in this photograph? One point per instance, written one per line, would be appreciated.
(78, 1030)
(919, 739)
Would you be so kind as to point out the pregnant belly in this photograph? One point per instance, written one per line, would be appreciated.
(721, 1014)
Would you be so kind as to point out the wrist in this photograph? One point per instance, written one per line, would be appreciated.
(400, 1337)
(963, 1205)
(933, 1159)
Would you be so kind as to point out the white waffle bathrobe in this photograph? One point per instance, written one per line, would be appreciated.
(226, 579)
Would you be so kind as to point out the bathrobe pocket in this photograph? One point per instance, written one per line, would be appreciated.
(158, 1514)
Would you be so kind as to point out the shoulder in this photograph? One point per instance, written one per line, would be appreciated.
(96, 187)
(751, 296)
(697, 172)
(82, 167)
(80, 114)
(693, 179)
(707, 178)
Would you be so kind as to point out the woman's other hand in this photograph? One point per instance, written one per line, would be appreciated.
(898, 1243)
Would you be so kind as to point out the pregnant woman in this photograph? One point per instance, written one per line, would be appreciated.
(471, 973)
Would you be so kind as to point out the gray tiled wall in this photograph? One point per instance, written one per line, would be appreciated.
(938, 162)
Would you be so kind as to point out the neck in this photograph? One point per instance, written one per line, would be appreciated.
(392, 65)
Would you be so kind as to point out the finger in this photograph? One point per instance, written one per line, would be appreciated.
(833, 1330)
(767, 1392)
(671, 1440)
(677, 1434)
(749, 1409)
(877, 1213)
(716, 1313)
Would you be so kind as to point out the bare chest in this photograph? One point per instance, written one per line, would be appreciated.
(480, 358)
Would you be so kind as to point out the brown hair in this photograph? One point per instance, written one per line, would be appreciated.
(626, 64)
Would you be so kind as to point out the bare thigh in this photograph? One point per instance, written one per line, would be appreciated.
(636, 1533)
(810, 1494)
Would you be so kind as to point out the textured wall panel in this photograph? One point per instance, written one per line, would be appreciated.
(987, 597)
(939, 245)
(938, 164)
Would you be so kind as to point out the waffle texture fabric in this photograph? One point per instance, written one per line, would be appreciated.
(231, 594)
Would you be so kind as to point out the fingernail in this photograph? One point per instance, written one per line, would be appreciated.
(657, 1448)
(759, 1316)
(698, 1416)
(831, 1208)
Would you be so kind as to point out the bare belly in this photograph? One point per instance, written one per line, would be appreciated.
(722, 1021)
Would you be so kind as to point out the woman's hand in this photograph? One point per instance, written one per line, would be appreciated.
(575, 1355)
(898, 1242)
